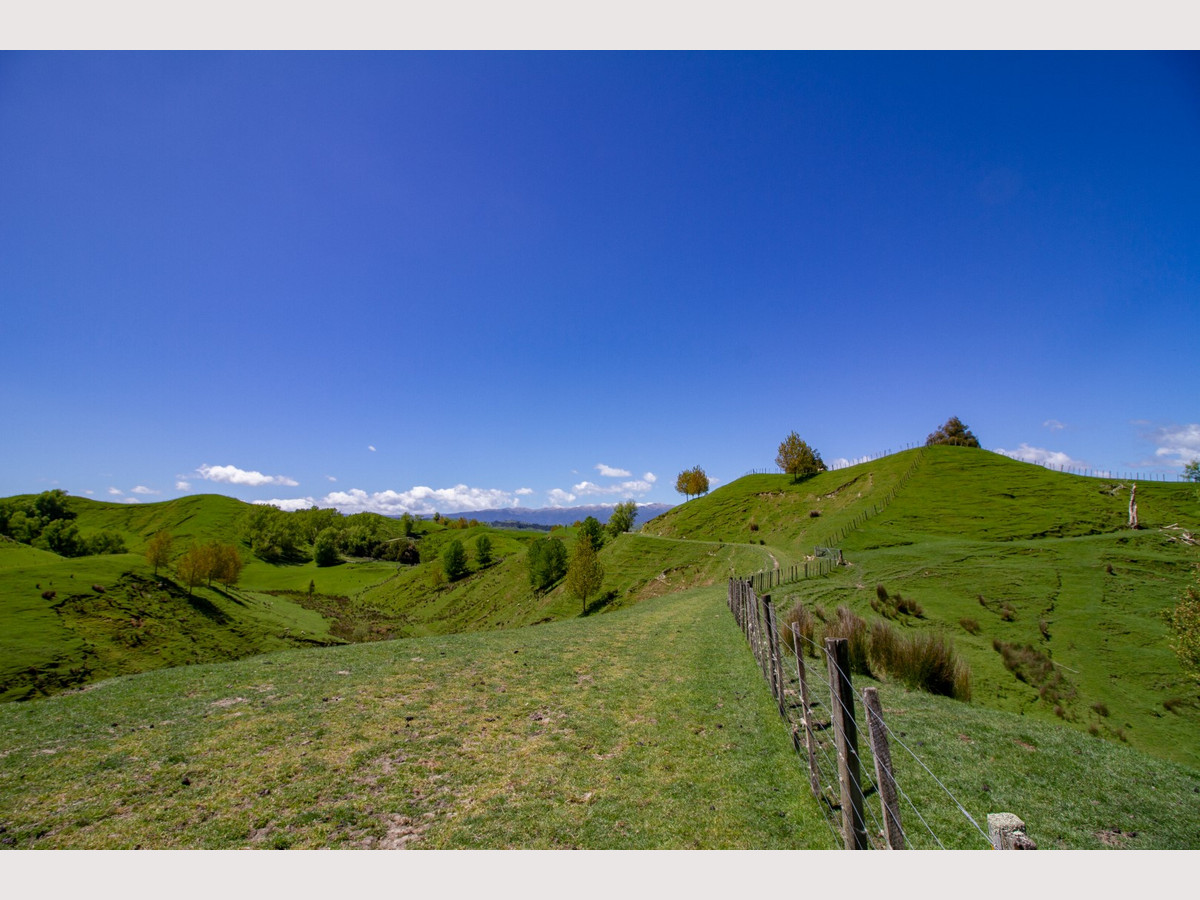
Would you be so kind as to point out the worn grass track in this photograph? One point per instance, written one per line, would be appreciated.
(646, 728)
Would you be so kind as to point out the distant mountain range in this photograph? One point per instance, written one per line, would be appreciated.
(558, 515)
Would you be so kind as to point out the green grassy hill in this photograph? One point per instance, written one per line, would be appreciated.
(454, 726)
(138, 621)
(995, 550)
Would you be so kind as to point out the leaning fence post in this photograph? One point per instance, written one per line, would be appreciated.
(810, 739)
(893, 832)
(854, 829)
(1007, 832)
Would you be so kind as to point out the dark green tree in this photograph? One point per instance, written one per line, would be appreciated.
(325, 547)
(483, 551)
(454, 560)
(547, 561)
(592, 531)
(954, 433)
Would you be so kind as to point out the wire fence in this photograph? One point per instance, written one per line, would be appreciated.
(901, 801)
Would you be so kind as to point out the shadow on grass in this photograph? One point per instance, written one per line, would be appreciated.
(599, 604)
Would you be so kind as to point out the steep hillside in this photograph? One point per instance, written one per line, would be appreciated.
(1009, 559)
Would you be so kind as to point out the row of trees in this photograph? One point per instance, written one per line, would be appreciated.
(325, 535)
(209, 562)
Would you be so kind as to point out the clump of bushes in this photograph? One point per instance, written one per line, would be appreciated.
(922, 660)
(970, 626)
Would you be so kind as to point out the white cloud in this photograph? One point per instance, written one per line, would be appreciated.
(142, 489)
(1043, 457)
(371, 447)
(420, 500)
(116, 492)
(624, 488)
(1053, 425)
(650, 477)
(610, 472)
(234, 475)
(559, 497)
(130, 500)
(290, 505)
(523, 492)
(330, 478)
(1179, 441)
(182, 485)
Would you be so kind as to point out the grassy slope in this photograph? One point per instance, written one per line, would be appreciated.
(968, 524)
(646, 728)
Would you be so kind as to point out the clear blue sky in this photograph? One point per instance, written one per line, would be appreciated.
(425, 280)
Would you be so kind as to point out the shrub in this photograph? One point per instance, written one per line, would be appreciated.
(814, 514)
(1007, 613)
(970, 626)
(881, 593)
(1100, 709)
(753, 525)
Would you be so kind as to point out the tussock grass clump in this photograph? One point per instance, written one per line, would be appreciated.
(1035, 669)
(893, 606)
(923, 660)
(970, 626)
(846, 624)
(800, 621)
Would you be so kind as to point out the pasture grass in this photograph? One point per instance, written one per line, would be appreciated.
(647, 728)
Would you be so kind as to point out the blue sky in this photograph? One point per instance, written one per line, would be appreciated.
(421, 280)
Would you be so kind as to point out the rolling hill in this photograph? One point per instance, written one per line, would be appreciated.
(544, 736)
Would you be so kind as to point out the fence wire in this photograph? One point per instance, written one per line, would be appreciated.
(782, 673)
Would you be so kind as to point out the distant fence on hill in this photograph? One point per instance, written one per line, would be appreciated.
(1085, 471)
(822, 713)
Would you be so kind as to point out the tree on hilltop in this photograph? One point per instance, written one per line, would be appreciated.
(692, 482)
(954, 433)
(797, 458)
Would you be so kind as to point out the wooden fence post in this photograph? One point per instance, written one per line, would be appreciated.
(893, 831)
(776, 659)
(1007, 832)
(854, 829)
(810, 738)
